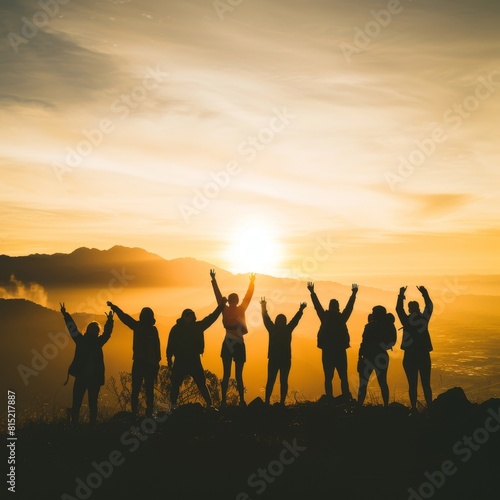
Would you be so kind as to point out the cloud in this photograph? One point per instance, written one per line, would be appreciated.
(18, 290)
(54, 71)
(418, 205)
(432, 205)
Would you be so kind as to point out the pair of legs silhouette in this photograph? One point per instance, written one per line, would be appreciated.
(415, 364)
(147, 373)
(335, 360)
(183, 367)
(92, 387)
(379, 364)
(233, 350)
(273, 367)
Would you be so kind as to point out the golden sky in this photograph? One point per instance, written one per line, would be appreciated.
(328, 137)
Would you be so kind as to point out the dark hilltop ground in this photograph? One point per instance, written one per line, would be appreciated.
(305, 451)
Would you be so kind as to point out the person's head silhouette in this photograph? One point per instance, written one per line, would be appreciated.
(413, 307)
(147, 316)
(233, 299)
(281, 320)
(334, 306)
(379, 313)
(188, 316)
(93, 329)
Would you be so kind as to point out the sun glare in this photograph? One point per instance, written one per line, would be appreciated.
(254, 248)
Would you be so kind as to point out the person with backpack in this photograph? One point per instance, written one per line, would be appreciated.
(379, 336)
(88, 363)
(416, 344)
(280, 351)
(334, 340)
(233, 346)
(186, 343)
(146, 355)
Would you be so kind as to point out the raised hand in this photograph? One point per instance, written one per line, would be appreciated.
(402, 290)
(63, 308)
(263, 301)
(212, 273)
(354, 287)
(422, 290)
(303, 305)
(252, 277)
(109, 315)
(310, 286)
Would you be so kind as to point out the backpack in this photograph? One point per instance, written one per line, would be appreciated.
(389, 335)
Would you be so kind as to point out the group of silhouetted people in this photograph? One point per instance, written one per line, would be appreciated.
(379, 336)
(186, 344)
(88, 363)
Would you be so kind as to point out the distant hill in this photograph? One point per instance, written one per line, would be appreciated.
(91, 267)
(88, 276)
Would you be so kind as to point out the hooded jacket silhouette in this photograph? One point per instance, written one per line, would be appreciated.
(146, 341)
(189, 339)
(333, 332)
(280, 334)
(88, 360)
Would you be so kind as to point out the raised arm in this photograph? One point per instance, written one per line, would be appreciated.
(268, 323)
(248, 296)
(212, 317)
(429, 306)
(400, 310)
(124, 318)
(215, 286)
(316, 303)
(298, 315)
(70, 324)
(108, 328)
(346, 313)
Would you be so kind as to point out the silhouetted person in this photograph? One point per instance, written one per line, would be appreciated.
(416, 344)
(88, 363)
(186, 343)
(280, 349)
(333, 339)
(233, 346)
(146, 355)
(379, 336)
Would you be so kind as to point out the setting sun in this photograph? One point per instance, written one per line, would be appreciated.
(254, 248)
